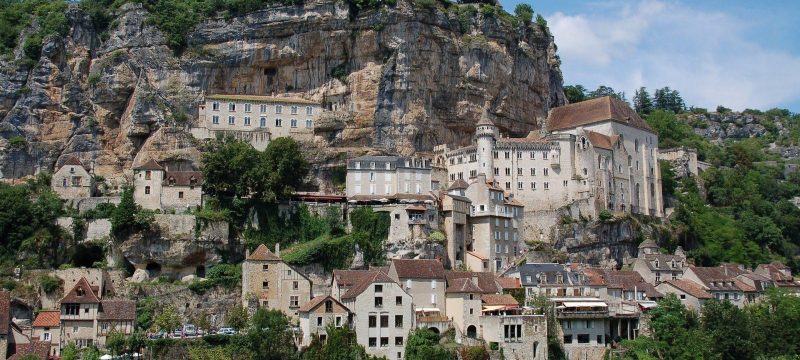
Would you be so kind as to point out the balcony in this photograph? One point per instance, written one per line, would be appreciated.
(440, 322)
(581, 314)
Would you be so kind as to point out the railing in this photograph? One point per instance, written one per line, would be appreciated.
(581, 314)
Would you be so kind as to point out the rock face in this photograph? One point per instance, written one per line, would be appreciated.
(401, 79)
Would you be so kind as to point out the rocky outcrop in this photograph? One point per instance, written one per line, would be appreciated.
(402, 79)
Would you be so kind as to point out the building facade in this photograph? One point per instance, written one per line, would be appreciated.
(387, 177)
(72, 180)
(593, 155)
(320, 313)
(270, 283)
(257, 119)
(86, 320)
(157, 188)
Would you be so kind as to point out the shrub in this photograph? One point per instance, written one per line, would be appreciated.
(425, 4)
(524, 13)
(49, 284)
(605, 215)
(722, 110)
(437, 237)
(17, 142)
(32, 48)
(541, 21)
(94, 79)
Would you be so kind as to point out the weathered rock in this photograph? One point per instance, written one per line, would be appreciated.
(140, 275)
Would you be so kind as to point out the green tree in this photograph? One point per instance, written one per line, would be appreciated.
(136, 342)
(370, 229)
(168, 319)
(226, 168)
(70, 352)
(115, 342)
(90, 353)
(668, 180)
(642, 102)
(423, 344)
(285, 166)
(269, 336)
(202, 321)
(123, 218)
(237, 317)
(208, 353)
(29, 357)
(668, 100)
(729, 330)
(524, 12)
(604, 90)
(575, 93)
(341, 344)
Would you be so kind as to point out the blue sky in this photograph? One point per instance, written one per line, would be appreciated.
(734, 53)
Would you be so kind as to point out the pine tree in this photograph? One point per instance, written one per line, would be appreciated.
(642, 101)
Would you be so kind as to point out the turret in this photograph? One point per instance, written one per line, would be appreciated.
(485, 135)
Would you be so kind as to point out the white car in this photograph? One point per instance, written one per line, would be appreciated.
(226, 331)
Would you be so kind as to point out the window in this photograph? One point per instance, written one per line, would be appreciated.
(512, 333)
(293, 123)
(433, 284)
(519, 185)
(309, 110)
(533, 186)
(373, 342)
(263, 122)
(507, 155)
(373, 321)
(309, 124)
(319, 320)
(508, 185)
(398, 300)
(294, 301)
(265, 267)
(247, 107)
(215, 106)
(378, 301)
(288, 272)
(547, 186)
(231, 107)
(338, 321)
(398, 321)
(294, 110)
(378, 288)
(384, 321)
(265, 284)
(328, 306)
(519, 171)
(180, 194)
(508, 171)
(246, 121)
(398, 341)
(46, 336)
(278, 109)
(384, 341)
(278, 123)
(408, 283)
(567, 339)
(215, 120)
(263, 108)
(231, 120)
(147, 190)
(295, 285)
(583, 338)
(72, 309)
(546, 171)
(496, 171)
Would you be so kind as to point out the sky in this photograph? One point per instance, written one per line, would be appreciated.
(736, 53)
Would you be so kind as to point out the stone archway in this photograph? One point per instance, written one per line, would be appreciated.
(472, 332)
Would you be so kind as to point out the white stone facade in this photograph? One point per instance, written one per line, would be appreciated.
(388, 176)
(157, 188)
(257, 119)
(72, 180)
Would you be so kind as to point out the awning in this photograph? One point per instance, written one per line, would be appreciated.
(493, 308)
(647, 304)
(575, 304)
(416, 208)
(428, 310)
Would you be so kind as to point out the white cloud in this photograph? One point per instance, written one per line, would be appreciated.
(703, 54)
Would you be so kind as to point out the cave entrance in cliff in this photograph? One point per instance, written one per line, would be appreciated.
(200, 271)
(153, 269)
(86, 255)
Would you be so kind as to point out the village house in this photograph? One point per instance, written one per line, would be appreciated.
(495, 227)
(319, 314)
(549, 279)
(656, 267)
(87, 320)
(463, 300)
(692, 295)
(592, 155)
(383, 314)
(518, 332)
(270, 283)
(47, 328)
(157, 188)
(584, 326)
(425, 281)
(388, 177)
(456, 208)
(72, 180)
(780, 274)
(722, 283)
(257, 119)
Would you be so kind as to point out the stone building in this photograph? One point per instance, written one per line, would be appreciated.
(425, 281)
(47, 328)
(270, 283)
(319, 313)
(692, 295)
(86, 320)
(593, 155)
(157, 188)
(383, 314)
(389, 177)
(455, 215)
(72, 180)
(722, 283)
(656, 267)
(257, 119)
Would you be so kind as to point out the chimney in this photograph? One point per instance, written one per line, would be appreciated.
(246, 252)
(278, 249)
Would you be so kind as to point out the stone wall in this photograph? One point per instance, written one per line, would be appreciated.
(98, 229)
(87, 204)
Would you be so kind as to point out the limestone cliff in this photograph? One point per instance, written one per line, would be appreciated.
(402, 79)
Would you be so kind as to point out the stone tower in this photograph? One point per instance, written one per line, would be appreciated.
(485, 135)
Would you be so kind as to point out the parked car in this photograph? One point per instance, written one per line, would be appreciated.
(177, 333)
(226, 331)
(189, 330)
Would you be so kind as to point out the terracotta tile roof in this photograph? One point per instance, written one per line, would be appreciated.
(350, 277)
(416, 208)
(458, 184)
(183, 178)
(118, 310)
(719, 278)
(619, 279)
(498, 299)
(648, 243)
(149, 165)
(463, 285)
(262, 98)
(5, 311)
(47, 318)
(261, 253)
(374, 277)
(74, 161)
(513, 201)
(690, 288)
(418, 269)
(486, 281)
(313, 303)
(509, 282)
(479, 256)
(599, 140)
(39, 348)
(89, 295)
(592, 111)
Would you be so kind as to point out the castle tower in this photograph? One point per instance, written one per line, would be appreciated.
(485, 134)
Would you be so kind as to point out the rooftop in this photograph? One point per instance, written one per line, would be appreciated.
(118, 310)
(149, 165)
(261, 253)
(81, 293)
(47, 318)
(593, 111)
(317, 301)
(261, 98)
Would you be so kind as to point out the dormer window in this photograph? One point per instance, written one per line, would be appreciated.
(559, 279)
(192, 180)
(171, 180)
(79, 291)
(656, 263)
(71, 170)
